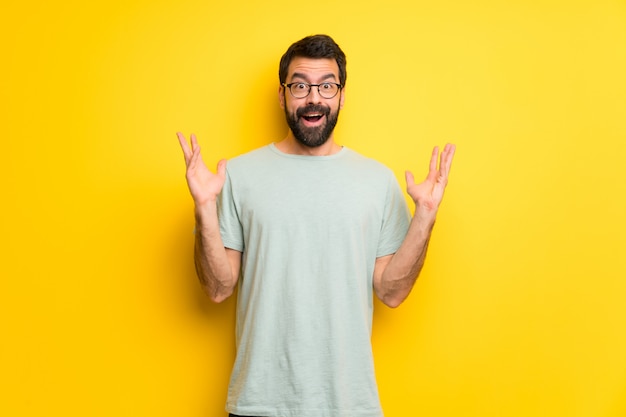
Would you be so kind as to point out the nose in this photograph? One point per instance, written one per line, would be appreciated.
(314, 96)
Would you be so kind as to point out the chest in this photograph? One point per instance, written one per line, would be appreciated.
(319, 199)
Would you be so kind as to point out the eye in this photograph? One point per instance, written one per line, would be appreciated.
(300, 86)
(327, 86)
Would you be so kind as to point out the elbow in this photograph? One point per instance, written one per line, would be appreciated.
(216, 291)
(392, 299)
(392, 302)
(393, 293)
(219, 296)
(217, 299)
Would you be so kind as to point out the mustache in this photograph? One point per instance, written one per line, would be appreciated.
(313, 108)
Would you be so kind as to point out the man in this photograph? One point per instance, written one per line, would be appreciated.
(308, 230)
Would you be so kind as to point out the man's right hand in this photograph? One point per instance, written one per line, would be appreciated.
(204, 185)
(217, 267)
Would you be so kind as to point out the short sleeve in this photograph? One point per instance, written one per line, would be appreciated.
(396, 219)
(230, 224)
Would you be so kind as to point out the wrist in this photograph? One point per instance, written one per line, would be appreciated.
(205, 211)
(425, 221)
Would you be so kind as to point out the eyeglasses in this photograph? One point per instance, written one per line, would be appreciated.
(301, 90)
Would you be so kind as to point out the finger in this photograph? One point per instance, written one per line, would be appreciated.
(432, 169)
(193, 161)
(184, 145)
(194, 142)
(196, 158)
(410, 180)
(446, 159)
(196, 154)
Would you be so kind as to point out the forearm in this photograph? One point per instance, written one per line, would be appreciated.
(217, 273)
(397, 277)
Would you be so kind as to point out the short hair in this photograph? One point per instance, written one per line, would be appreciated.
(317, 47)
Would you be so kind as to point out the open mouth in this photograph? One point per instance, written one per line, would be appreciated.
(312, 118)
(312, 114)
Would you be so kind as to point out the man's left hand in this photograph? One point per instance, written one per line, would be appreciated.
(428, 194)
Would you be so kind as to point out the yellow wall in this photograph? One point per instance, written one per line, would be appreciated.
(521, 308)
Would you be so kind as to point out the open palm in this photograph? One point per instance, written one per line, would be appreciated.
(428, 194)
(204, 185)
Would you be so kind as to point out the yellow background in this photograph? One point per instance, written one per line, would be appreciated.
(521, 309)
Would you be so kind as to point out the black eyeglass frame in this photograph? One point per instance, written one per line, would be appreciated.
(288, 86)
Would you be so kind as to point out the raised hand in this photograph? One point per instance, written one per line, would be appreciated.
(428, 194)
(204, 185)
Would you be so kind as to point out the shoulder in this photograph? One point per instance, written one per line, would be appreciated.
(249, 160)
(258, 153)
(367, 164)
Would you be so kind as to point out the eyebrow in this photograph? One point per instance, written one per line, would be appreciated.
(304, 77)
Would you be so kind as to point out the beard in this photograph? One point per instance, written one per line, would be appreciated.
(312, 136)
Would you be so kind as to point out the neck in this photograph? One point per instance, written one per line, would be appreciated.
(290, 145)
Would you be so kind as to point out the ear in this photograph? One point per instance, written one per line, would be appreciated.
(342, 98)
(281, 96)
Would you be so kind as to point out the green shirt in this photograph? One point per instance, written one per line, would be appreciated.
(310, 229)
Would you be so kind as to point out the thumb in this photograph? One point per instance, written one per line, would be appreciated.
(410, 180)
(221, 168)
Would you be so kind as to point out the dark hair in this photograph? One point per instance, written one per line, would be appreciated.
(315, 46)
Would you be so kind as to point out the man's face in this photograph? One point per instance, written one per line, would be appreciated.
(312, 119)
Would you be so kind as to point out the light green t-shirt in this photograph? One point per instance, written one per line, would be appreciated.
(310, 229)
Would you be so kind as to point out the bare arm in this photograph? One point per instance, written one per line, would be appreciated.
(217, 267)
(395, 275)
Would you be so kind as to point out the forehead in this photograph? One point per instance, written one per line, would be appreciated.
(312, 69)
